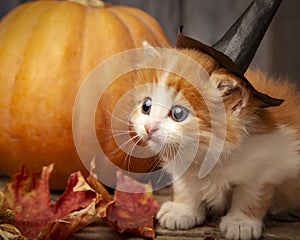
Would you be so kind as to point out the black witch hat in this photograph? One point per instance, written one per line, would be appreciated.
(236, 49)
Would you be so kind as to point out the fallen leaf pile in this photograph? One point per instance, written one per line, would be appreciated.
(28, 212)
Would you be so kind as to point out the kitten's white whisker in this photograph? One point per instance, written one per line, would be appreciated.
(123, 133)
(129, 155)
(154, 166)
(111, 136)
(182, 160)
(123, 145)
(115, 117)
(160, 177)
(113, 130)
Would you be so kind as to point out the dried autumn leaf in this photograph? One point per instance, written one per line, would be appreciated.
(134, 208)
(10, 232)
(6, 215)
(98, 188)
(7, 231)
(64, 227)
(104, 199)
(28, 196)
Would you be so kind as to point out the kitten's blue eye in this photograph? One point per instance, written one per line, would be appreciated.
(146, 107)
(179, 113)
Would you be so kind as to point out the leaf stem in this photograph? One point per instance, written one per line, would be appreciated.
(90, 3)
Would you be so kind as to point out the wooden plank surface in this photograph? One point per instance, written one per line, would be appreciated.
(282, 227)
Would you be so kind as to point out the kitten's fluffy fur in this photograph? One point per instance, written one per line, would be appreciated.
(259, 167)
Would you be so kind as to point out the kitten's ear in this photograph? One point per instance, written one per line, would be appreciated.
(233, 90)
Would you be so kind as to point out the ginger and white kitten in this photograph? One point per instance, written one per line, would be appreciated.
(259, 166)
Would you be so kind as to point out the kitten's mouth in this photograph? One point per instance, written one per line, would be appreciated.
(155, 139)
(156, 144)
(151, 140)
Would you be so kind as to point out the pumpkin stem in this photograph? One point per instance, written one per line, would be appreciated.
(90, 3)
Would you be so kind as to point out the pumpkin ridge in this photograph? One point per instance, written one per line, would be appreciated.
(82, 58)
(84, 64)
(149, 22)
(123, 24)
(30, 8)
(51, 7)
(148, 33)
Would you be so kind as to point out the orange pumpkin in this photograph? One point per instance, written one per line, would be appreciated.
(47, 48)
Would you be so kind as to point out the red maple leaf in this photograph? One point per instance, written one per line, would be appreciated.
(28, 196)
(134, 208)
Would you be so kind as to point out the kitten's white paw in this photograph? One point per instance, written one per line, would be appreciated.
(174, 215)
(240, 228)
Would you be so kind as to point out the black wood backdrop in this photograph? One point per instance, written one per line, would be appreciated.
(207, 20)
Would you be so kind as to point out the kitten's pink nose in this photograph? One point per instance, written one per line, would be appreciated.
(151, 127)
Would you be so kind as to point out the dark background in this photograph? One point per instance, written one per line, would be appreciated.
(207, 20)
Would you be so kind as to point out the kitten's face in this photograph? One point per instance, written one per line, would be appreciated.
(164, 118)
(174, 116)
